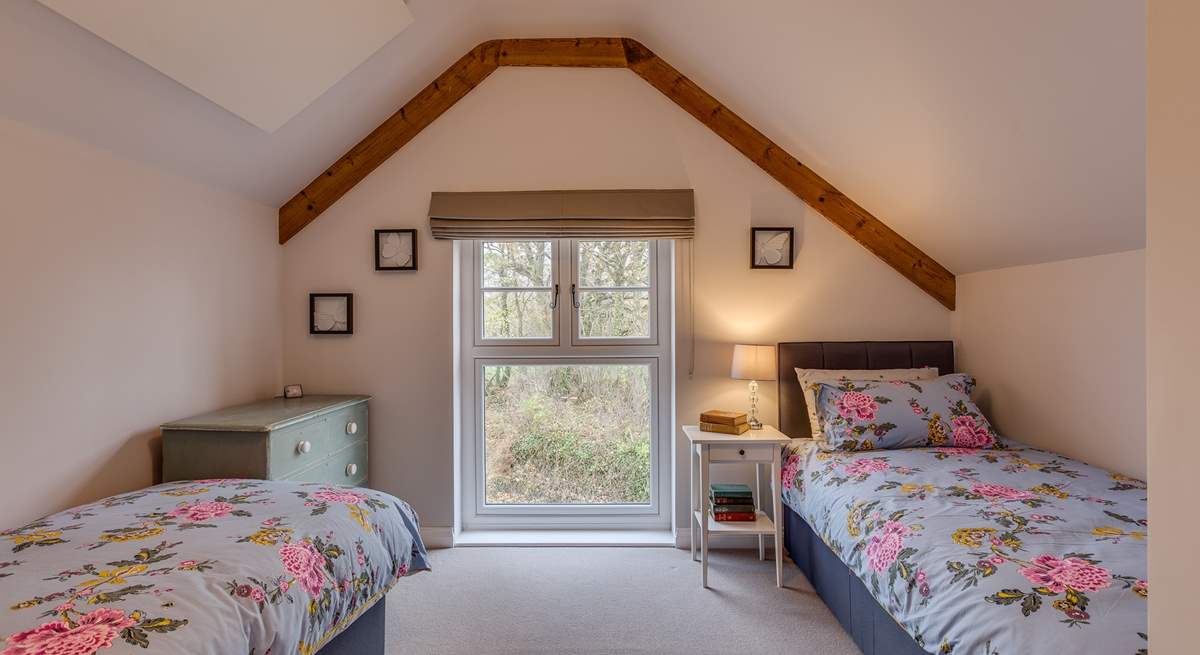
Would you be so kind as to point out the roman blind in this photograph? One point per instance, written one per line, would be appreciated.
(606, 214)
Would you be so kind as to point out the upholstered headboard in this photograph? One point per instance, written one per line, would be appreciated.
(793, 415)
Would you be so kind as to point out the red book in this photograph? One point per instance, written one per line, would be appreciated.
(734, 516)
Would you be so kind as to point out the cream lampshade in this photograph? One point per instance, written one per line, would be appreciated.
(753, 363)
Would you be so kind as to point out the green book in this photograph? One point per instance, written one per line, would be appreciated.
(726, 494)
(731, 500)
(732, 508)
(729, 490)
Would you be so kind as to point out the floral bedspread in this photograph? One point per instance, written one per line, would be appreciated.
(999, 552)
(206, 566)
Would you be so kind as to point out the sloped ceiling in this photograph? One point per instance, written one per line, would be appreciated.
(264, 60)
(988, 134)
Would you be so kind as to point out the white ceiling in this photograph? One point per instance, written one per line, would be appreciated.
(989, 134)
(264, 60)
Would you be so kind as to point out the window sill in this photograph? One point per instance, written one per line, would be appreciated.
(575, 538)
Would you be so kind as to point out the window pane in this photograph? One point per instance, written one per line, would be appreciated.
(516, 264)
(614, 263)
(517, 315)
(566, 434)
(614, 314)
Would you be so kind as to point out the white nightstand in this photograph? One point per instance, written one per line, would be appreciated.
(756, 447)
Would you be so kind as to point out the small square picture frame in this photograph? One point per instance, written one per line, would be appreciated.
(396, 249)
(293, 391)
(331, 313)
(772, 247)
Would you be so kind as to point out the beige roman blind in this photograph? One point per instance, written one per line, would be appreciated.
(620, 213)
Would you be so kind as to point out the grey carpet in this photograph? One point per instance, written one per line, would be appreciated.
(607, 600)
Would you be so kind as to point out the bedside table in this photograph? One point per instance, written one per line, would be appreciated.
(756, 447)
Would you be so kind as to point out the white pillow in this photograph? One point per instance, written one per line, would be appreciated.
(811, 377)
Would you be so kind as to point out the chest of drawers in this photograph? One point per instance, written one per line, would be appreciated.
(310, 439)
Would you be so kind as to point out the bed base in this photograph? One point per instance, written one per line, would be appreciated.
(363, 637)
(871, 627)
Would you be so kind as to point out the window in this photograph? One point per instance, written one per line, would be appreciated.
(613, 287)
(518, 291)
(565, 431)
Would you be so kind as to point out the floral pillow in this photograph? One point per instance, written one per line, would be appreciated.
(869, 415)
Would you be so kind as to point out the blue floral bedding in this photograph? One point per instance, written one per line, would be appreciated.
(206, 566)
(1000, 552)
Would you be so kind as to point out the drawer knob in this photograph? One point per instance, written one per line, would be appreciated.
(304, 447)
(352, 428)
(742, 452)
(351, 469)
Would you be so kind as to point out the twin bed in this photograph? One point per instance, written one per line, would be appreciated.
(209, 566)
(960, 550)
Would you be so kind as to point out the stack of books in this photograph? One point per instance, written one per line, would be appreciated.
(731, 502)
(725, 422)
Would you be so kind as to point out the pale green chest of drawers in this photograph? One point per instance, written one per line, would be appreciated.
(310, 439)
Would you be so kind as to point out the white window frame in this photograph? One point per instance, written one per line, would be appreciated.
(477, 353)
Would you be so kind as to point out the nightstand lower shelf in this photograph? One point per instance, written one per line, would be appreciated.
(761, 525)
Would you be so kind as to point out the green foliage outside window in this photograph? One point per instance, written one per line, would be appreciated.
(567, 434)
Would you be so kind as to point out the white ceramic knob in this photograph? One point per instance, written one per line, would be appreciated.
(351, 469)
(352, 428)
(303, 447)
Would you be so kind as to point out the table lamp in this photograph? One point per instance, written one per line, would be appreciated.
(753, 363)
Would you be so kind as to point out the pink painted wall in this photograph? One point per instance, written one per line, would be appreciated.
(1059, 350)
(130, 298)
(1172, 316)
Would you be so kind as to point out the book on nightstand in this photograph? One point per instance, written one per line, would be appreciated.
(725, 429)
(723, 417)
(733, 516)
(732, 502)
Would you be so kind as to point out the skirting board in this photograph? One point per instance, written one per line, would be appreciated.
(437, 536)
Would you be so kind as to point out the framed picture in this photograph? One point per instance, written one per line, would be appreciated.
(293, 391)
(772, 247)
(331, 313)
(395, 250)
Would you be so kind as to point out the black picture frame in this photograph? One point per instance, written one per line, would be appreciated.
(312, 313)
(791, 247)
(379, 263)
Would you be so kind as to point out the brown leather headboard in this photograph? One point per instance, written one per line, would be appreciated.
(793, 415)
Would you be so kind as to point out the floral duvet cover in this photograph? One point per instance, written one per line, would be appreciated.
(204, 566)
(1016, 551)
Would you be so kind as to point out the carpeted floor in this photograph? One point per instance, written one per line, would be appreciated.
(607, 600)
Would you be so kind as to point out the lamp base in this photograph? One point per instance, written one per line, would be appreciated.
(754, 423)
